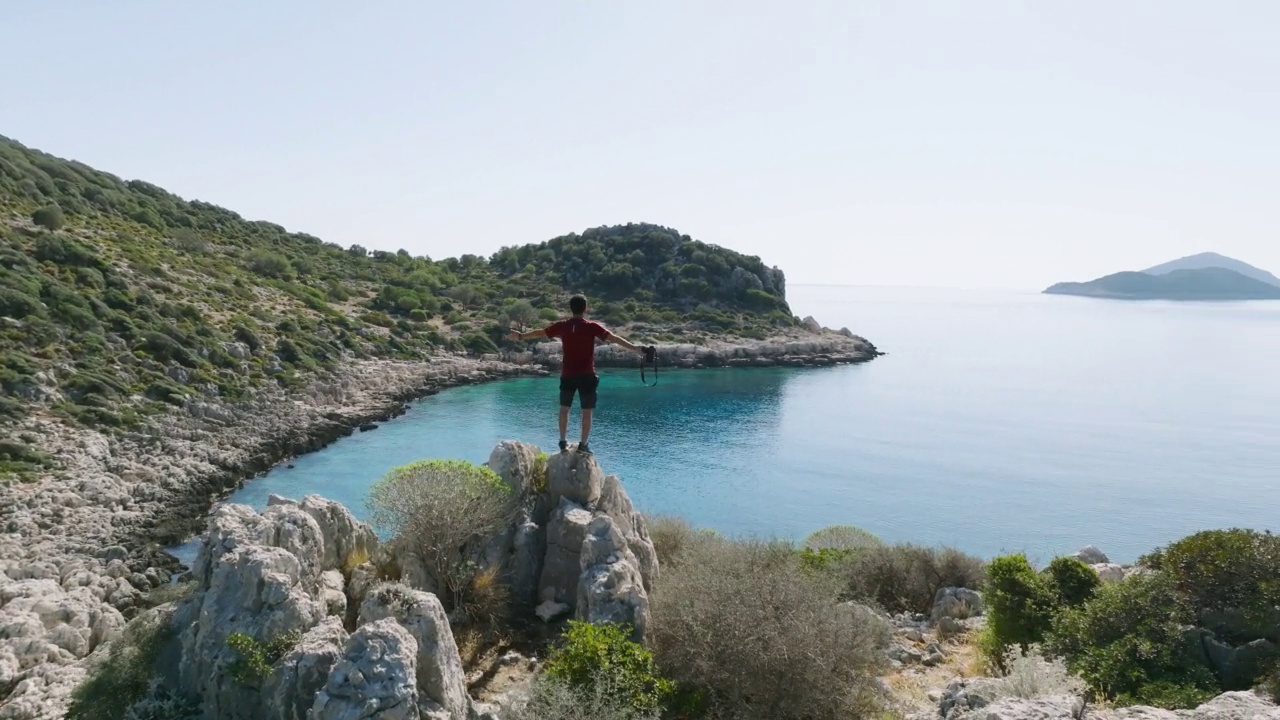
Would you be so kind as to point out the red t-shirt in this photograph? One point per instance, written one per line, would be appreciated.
(578, 336)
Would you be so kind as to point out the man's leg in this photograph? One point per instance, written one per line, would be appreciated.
(567, 388)
(587, 394)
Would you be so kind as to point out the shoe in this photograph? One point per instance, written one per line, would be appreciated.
(584, 448)
(564, 446)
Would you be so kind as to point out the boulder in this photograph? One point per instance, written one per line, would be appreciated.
(1239, 705)
(957, 603)
(1053, 707)
(333, 593)
(363, 579)
(1090, 555)
(812, 325)
(513, 461)
(1109, 572)
(347, 541)
(1236, 665)
(259, 591)
(562, 565)
(615, 503)
(575, 477)
(305, 669)
(375, 679)
(524, 566)
(611, 587)
(440, 677)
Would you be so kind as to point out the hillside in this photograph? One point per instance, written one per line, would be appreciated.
(118, 298)
(1214, 260)
(1211, 283)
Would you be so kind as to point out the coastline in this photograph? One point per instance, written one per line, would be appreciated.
(140, 492)
(90, 537)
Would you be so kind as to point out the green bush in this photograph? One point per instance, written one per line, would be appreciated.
(125, 675)
(748, 633)
(256, 657)
(268, 264)
(1071, 581)
(1020, 604)
(1229, 578)
(478, 343)
(440, 510)
(593, 653)
(49, 217)
(1128, 644)
(907, 578)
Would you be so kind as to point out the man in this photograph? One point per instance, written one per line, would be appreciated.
(578, 336)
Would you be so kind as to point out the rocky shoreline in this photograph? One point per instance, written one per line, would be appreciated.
(92, 533)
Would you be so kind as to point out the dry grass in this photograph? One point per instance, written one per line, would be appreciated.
(743, 625)
(906, 578)
(670, 535)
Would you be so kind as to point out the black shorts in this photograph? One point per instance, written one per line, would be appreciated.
(584, 385)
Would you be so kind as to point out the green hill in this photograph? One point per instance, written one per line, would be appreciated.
(1210, 283)
(117, 297)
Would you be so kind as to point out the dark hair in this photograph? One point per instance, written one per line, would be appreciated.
(577, 304)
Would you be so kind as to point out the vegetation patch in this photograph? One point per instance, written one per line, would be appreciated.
(187, 300)
(125, 677)
(603, 655)
(256, 657)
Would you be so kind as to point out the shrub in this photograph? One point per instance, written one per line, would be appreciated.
(670, 536)
(594, 653)
(824, 560)
(1072, 581)
(268, 264)
(487, 600)
(49, 217)
(1127, 643)
(1230, 578)
(124, 678)
(749, 633)
(521, 313)
(841, 537)
(257, 658)
(1030, 675)
(550, 699)
(478, 343)
(439, 510)
(1020, 605)
(907, 578)
(189, 241)
(538, 476)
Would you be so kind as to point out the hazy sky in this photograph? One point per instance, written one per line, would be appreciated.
(967, 144)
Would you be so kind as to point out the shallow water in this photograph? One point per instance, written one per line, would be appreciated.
(997, 422)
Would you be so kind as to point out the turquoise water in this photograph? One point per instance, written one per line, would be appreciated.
(998, 421)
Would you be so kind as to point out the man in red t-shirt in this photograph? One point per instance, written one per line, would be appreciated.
(578, 336)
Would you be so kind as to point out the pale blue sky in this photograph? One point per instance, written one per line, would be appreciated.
(968, 144)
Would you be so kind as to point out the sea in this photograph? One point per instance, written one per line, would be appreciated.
(996, 422)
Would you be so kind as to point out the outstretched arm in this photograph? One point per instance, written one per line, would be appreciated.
(517, 335)
(618, 340)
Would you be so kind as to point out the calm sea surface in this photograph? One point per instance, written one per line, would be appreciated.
(998, 421)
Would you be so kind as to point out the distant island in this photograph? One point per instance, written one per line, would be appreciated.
(1206, 276)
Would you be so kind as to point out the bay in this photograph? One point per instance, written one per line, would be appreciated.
(998, 421)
